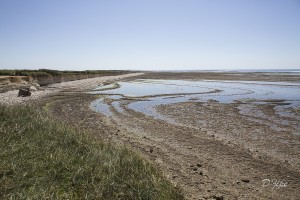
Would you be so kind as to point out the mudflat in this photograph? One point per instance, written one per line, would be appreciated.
(247, 148)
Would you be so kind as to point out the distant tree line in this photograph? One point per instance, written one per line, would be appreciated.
(50, 72)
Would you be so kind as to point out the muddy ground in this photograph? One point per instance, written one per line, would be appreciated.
(214, 152)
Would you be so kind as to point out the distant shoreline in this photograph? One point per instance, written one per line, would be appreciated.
(237, 71)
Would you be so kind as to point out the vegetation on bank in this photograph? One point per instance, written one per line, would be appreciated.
(44, 159)
(49, 72)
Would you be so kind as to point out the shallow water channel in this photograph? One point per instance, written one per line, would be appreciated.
(143, 95)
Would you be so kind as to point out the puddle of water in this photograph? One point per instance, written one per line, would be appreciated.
(251, 110)
(100, 106)
(116, 105)
(115, 97)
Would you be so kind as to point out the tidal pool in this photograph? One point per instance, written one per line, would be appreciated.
(143, 95)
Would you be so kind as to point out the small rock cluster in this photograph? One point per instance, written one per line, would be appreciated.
(26, 92)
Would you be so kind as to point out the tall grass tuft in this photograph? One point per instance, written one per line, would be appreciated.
(41, 158)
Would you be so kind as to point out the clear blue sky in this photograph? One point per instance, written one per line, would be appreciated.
(150, 34)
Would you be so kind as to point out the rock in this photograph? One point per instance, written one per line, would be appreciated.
(218, 197)
(151, 149)
(32, 88)
(36, 85)
(245, 180)
(24, 93)
(199, 165)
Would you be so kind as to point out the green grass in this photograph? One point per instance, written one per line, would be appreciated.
(41, 158)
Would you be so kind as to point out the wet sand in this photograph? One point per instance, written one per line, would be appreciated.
(215, 152)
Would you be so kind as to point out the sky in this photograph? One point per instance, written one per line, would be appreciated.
(150, 34)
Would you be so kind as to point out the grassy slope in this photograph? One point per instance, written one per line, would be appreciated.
(42, 158)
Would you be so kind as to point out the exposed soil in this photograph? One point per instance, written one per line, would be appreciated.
(215, 152)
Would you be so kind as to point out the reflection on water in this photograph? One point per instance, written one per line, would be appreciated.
(144, 95)
(102, 107)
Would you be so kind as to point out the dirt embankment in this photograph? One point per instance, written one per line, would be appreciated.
(46, 80)
(11, 97)
(15, 82)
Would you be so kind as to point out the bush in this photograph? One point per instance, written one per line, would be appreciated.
(5, 72)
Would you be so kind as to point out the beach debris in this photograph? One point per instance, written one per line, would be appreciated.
(24, 93)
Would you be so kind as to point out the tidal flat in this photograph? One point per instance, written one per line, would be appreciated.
(235, 129)
(215, 135)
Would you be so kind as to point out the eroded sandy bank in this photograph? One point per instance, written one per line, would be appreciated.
(11, 97)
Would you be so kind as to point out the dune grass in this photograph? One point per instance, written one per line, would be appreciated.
(41, 158)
